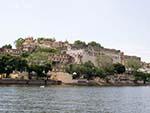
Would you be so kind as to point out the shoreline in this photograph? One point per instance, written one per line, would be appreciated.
(6, 82)
(29, 82)
(108, 85)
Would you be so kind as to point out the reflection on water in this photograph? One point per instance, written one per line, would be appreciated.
(55, 99)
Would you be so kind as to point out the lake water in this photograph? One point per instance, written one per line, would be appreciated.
(59, 99)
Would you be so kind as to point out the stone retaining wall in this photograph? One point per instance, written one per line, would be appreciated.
(29, 82)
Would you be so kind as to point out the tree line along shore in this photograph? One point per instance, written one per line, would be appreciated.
(78, 63)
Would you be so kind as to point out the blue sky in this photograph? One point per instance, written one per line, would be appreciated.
(119, 24)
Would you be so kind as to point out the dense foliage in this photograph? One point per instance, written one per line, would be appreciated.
(133, 64)
(119, 68)
(40, 70)
(9, 46)
(88, 70)
(94, 44)
(142, 76)
(82, 44)
(19, 42)
(79, 44)
(46, 39)
(8, 64)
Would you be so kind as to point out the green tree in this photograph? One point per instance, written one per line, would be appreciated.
(20, 64)
(46, 39)
(89, 64)
(40, 70)
(2, 65)
(141, 76)
(47, 67)
(10, 63)
(109, 70)
(25, 54)
(40, 58)
(133, 64)
(19, 42)
(119, 68)
(100, 73)
(9, 46)
(94, 44)
(77, 68)
(89, 70)
(39, 63)
(86, 70)
(79, 44)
